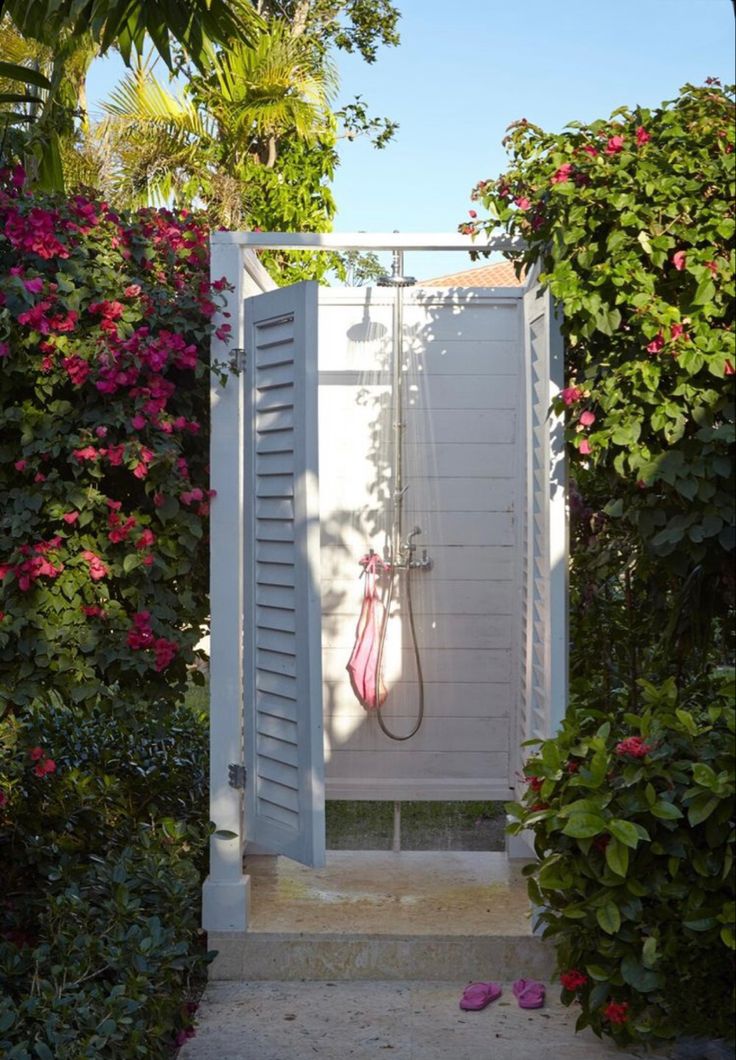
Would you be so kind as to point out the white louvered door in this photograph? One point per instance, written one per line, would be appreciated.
(284, 791)
(543, 696)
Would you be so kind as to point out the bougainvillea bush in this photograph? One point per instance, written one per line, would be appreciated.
(631, 220)
(633, 823)
(105, 324)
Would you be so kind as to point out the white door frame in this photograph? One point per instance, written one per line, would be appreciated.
(226, 889)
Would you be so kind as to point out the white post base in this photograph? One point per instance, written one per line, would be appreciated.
(226, 905)
(520, 847)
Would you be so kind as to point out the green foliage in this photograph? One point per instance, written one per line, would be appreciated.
(105, 328)
(99, 941)
(632, 816)
(632, 223)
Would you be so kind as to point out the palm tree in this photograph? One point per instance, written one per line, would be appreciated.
(207, 142)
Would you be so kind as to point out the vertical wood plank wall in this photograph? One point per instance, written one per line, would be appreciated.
(464, 466)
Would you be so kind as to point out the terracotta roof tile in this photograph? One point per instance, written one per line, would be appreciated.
(497, 274)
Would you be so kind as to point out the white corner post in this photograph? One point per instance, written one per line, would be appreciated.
(226, 890)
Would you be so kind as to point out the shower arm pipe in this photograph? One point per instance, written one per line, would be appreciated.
(423, 241)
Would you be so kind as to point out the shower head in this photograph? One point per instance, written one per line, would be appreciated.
(395, 281)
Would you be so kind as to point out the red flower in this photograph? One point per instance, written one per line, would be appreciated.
(77, 369)
(563, 174)
(656, 344)
(70, 517)
(676, 330)
(642, 136)
(97, 569)
(535, 783)
(616, 1012)
(522, 202)
(571, 394)
(573, 979)
(614, 145)
(35, 753)
(573, 765)
(87, 453)
(93, 611)
(20, 465)
(146, 540)
(679, 260)
(633, 746)
(132, 291)
(590, 150)
(728, 368)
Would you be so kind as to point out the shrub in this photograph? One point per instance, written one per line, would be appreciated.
(632, 816)
(103, 833)
(105, 324)
(105, 321)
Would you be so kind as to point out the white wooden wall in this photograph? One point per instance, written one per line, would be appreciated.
(465, 467)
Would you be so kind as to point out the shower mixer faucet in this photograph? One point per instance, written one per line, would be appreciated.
(408, 550)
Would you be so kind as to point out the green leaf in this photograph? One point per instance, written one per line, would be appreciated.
(705, 292)
(617, 857)
(608, 918)
(131, 562)
(701, 808)
(666, 811)
(649, 955)
(625, 831)
(584, 825)
(636, 975)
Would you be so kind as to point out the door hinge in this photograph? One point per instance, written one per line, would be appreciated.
(238, 360)
(236, 776)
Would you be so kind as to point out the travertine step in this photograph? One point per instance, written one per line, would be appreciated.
(384, 916)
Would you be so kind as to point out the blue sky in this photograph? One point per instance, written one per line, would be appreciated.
(463, 71)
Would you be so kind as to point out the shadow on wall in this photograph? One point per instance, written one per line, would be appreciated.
(461, 367)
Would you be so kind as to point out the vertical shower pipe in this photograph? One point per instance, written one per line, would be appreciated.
(397, 388)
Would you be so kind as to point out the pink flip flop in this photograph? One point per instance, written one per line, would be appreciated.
(477, 995)
(529, 993)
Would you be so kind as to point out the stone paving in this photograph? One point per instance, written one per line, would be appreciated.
(377, 1020)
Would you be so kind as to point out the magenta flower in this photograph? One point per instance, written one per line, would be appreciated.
(679, 260)
(587, 418)
(656, 344)
(562, 174)
(633, 746)
(571, 394)
(642, 136)
(614, 145)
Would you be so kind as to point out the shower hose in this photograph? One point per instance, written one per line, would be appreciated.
(379, 658)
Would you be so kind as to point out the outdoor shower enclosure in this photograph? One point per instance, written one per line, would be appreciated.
(301, 444)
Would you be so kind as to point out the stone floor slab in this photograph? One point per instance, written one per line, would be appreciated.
(375, 1020)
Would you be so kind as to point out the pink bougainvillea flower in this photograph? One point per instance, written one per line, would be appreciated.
(713, 266)
(70, 517)
(728, 368)
(97, 568)
(35, 753)
(132, 291)
(87, 453)
(165, 652)
(101, 432)
(642, 136)
(571, 394)
(633, 746)
(535, 783)
(223, 332)
(34, 285)
(93, 610)
(146, 540)
(4, 349)
(20, 465)
(590, 150)
(158, 500)
(676, 330)
(562, 174)
(614, 145)
(585, 447)
(573, 979)
(679, 260)
(3, 799)
(138, 422)
(39, 477)
(587, 418)
(616, 1012)
(572, 766)
(656, 344)
(77, 368)
(522, 202)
